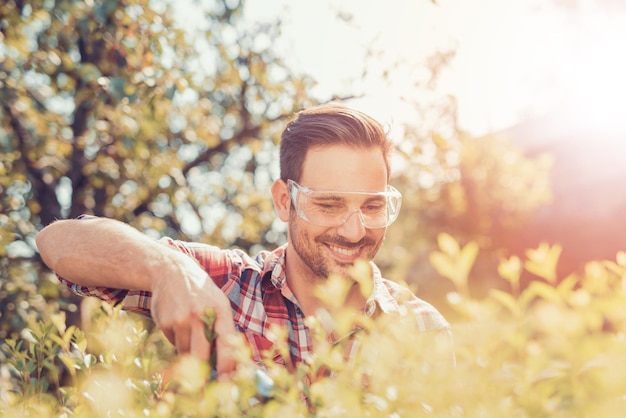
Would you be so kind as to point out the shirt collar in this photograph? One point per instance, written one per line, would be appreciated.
(380, 297)
(274, 268)
(274, 272)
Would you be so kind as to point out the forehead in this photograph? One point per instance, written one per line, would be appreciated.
(344, 168)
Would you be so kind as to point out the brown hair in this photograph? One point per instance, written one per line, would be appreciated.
(328, 124)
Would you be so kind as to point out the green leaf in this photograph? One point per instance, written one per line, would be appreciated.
(543, 260)
(443, 264)
(69, 362)
(467, 258)
(506, 300)
(89, 72)
(549, 373)
(510, 270)
(208, 319)
(447, 244)
(541, 290)
(567, 285)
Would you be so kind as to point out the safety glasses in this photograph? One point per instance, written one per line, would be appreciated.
(333, 209)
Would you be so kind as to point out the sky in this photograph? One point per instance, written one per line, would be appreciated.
(514, 59)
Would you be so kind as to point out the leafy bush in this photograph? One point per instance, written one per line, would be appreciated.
(553, 349)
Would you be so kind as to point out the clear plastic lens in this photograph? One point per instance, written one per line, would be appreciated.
(332, 209)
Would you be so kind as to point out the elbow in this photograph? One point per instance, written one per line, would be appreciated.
(45, 242)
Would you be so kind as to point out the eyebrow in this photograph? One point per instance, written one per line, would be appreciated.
(332, 196)
(337, 197)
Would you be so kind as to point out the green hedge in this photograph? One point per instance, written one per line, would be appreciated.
(554, 349)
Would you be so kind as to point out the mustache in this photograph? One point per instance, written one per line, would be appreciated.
(341, 242)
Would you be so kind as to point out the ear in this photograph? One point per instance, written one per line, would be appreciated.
(282, 200)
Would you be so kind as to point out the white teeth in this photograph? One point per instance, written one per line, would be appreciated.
(345, 251)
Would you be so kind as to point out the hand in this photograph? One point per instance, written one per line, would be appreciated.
(180, 296)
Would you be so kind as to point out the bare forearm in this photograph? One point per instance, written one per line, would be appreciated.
(103, 252)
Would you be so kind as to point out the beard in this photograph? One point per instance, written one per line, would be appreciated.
(313, 253)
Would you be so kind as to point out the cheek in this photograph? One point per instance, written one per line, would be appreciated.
(299, 232)
(303, 229)
(377, 238)
(377, 234)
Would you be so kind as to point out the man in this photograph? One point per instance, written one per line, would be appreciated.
(333, 192)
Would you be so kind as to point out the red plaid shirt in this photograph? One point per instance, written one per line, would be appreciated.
(260, 297)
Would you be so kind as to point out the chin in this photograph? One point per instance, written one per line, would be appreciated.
(341, 269)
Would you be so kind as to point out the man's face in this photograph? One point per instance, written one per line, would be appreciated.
(317, 250)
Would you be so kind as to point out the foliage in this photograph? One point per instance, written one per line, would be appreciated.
(554, 350)
(110, 107)
(483, 191)
(480, 189)
(454, 262)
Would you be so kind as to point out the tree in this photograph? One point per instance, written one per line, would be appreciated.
(111, 108)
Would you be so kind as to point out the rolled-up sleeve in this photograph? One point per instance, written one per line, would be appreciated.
(131, 300)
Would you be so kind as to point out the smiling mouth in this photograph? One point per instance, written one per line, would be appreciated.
(347, 252)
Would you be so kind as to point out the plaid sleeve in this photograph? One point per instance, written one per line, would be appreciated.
(428, 319)
(131, 300)
(216, 262)
(427, 316)
(104, 293)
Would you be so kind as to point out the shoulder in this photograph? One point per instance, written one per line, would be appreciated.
(401, 299)
(212, 257)
(205, 254)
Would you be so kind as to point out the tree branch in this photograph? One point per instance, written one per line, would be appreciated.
(45, 193)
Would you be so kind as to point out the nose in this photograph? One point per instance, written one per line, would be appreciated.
(353, 229)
